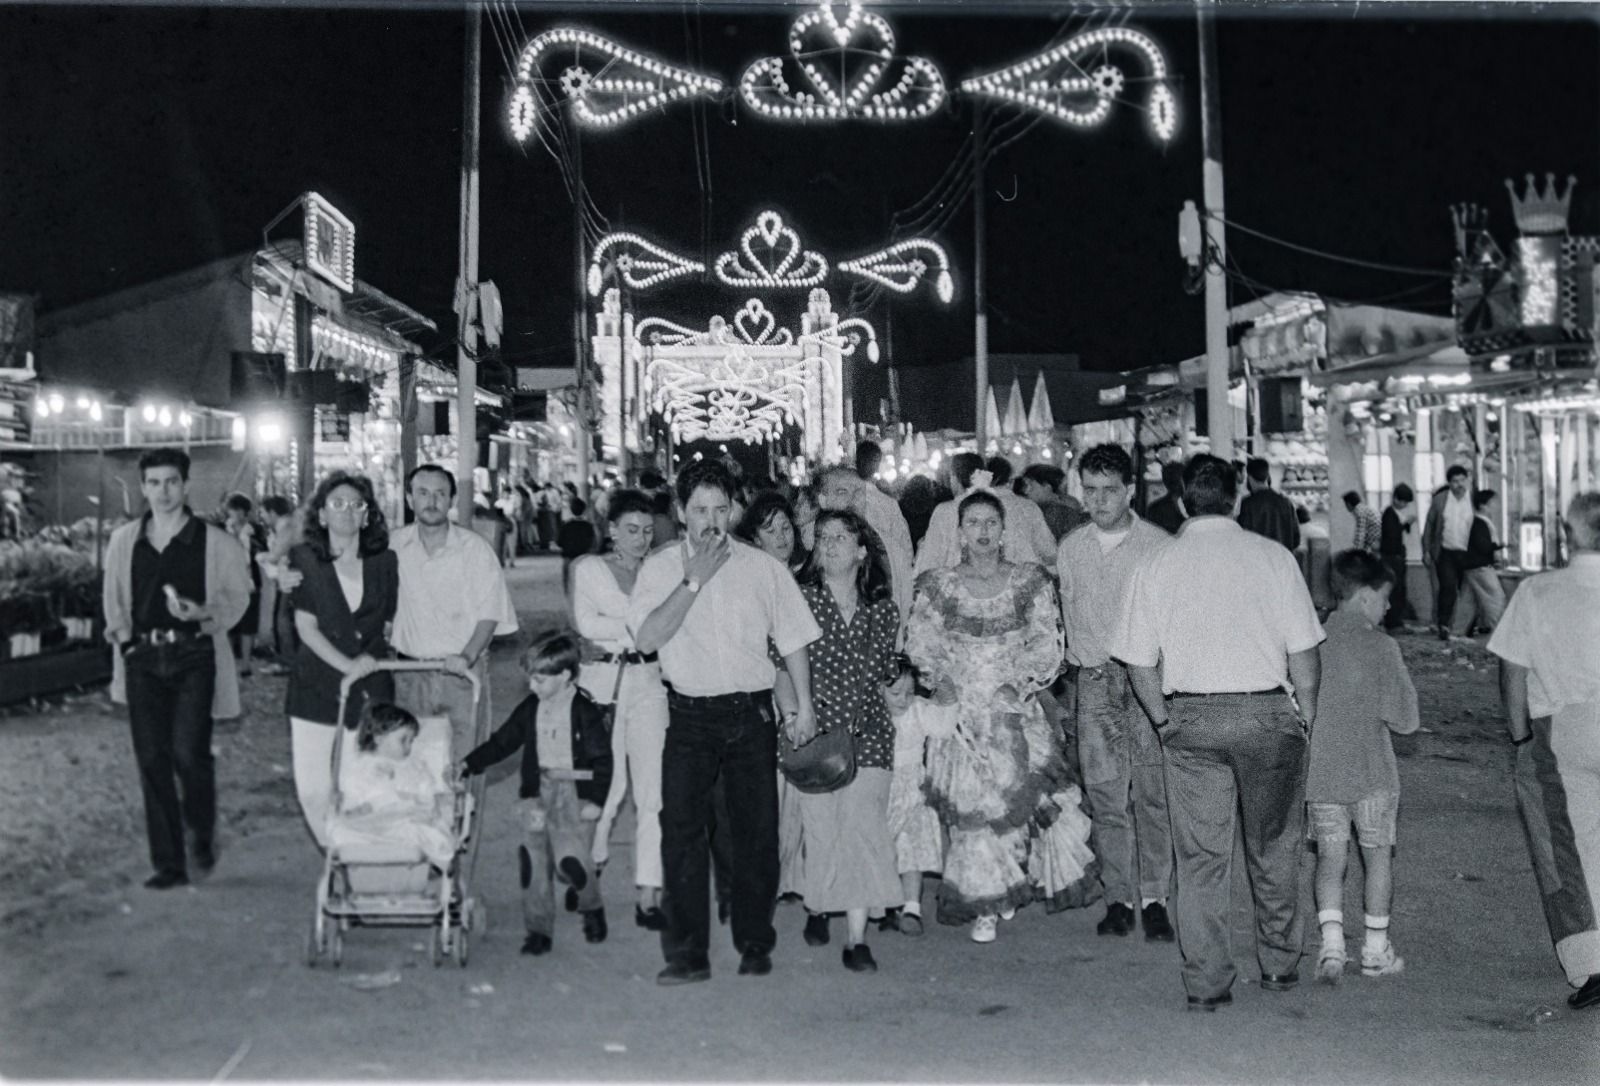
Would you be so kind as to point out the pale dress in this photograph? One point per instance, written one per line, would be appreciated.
(918, 837)
(389, 802)
(1002, 785)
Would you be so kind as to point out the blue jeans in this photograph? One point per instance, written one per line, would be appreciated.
(1227, 756)
(169, 711)
(733, 737)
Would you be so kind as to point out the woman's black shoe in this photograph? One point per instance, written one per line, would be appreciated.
(816, 933)
(594, 925)
(858, 959)
(651, 919)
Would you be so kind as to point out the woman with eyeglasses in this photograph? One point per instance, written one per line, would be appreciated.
(344, 605)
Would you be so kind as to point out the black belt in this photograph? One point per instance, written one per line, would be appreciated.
(163, 637)
(1276, 692)
(738, 700)
(629, 657)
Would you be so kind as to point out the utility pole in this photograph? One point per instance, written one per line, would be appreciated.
(580, 321)
(467, 291)
(1219, 416)
(980, 350)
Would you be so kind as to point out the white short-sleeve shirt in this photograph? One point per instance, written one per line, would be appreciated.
(1552, 628)
(444, 595)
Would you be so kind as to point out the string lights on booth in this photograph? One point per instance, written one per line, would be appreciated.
(828, 54)
(1084, 97)
(628, 84)
(1539, 292)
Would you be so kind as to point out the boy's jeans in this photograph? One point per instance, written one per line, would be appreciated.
(556, 825)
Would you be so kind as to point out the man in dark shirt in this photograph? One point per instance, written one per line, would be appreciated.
(1392, 529)
(1265, 511)
(1167, 510)
(163, 612)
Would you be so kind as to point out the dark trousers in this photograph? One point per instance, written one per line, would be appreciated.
(735, 738)
(1235, 758)
(1395, 616)
(1450, 566)
(169, 708)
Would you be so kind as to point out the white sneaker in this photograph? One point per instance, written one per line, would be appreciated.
(1008, 914)
(1381, 963)
(983, 929)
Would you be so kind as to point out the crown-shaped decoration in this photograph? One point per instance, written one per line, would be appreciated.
(1470, 220)
(1541, 212)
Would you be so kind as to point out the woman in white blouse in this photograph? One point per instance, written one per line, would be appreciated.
(601, 584)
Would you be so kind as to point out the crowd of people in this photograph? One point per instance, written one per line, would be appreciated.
(822, 694)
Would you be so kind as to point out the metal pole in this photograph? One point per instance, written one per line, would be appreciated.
(980, 351)
(1219, 416)
(580, 322)
(624, 416)
(466, 299)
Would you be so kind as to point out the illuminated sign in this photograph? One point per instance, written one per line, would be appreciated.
(330, 242)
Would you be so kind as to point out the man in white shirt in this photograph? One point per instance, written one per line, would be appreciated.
(1027, 536)
(1548, 642)
(843, 488)
(1117, 748)
(709, 606)
(1444, 543)
(453, 600)
(1220, 638)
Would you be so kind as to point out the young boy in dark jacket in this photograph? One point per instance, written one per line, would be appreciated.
(566, 773)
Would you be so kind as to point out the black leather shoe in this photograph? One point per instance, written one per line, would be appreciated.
(572, 871)
(594, 925)
(1279, 982)
(858, 959)
(1117, 921)
(816, 933)
(890, 921)
(536, 943)
(1157, 928)
(755, 963)
(166, 880)
(684, 973)
(1210, 1003)
(204, 857)
(1587, 996)
(651, 919)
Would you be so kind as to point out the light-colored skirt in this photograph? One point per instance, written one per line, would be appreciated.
(846, 858)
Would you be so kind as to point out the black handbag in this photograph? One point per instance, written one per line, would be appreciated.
(826, 764)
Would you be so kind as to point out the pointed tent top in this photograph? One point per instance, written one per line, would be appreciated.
(992, 417)
(1040, 418)
(1016, 420)
(919, 447)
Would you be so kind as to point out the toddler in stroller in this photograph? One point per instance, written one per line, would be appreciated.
(388, 796)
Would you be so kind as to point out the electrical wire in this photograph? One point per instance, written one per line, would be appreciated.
(1398, 269)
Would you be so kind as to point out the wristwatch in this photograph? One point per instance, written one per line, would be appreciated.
(691, 584)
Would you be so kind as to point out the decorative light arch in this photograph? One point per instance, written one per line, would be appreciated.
(899, 268)
(828, 54)
(785, 264)
(1078, 96)
(626, 84)
(642, 264)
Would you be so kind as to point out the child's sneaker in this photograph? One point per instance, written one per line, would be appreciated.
(1330, 964)
(1381, 963)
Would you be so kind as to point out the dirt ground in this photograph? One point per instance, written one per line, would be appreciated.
(103, 979)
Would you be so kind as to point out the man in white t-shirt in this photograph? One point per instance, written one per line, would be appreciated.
(1548, 642)
(1117, 748)
(1220, 638)
(1444, 543)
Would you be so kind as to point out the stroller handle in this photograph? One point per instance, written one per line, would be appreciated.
(349, 681)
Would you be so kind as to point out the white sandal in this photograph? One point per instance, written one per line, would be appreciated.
(983, 929)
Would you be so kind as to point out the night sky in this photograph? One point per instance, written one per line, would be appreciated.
(140, 141)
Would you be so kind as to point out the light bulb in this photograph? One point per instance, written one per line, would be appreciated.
(164, 416)
(57, 404)
(149, 412)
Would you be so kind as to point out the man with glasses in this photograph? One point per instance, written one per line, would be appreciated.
(174, 587)
(453, 601)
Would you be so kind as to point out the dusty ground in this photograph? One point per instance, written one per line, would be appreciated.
(103, 979)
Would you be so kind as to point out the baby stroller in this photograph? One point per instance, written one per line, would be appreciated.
(375, 884)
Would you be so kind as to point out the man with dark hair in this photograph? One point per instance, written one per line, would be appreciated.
(1041, 484)
(453, 600)
(1392, 529)
(174, 587)
(710, 606)
(1550, 683)
(1027, 537)
(1167, 511)
(1264, 511)
(869, 458)
(1445, 537)
(1117, 749)
(1367, 533)
(1220, 638)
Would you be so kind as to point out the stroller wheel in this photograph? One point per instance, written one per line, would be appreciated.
(336, 948)
(461, 947)
(436, 948)
(313, 950)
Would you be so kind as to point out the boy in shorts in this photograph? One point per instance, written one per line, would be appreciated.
(1366, 693)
